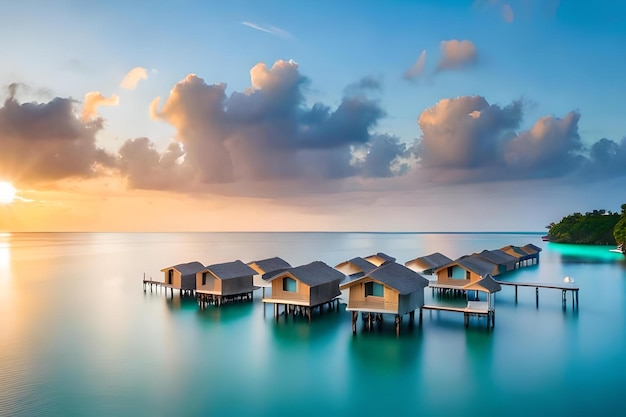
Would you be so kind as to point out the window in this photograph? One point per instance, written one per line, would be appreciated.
(289, 284)
(374, 289)
(467, 275)
(170, 274)
(204, 278)
(450, 269)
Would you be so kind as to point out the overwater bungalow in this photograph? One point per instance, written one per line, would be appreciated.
(218, 283)
(463, 271)
(475, 307)
(503, 260)
(489, 286)
(429, 263)
(264, 268)
(303, 288)
(533, 252)
(182, 276)
(526, 255)
(389, 289)
(355, 267)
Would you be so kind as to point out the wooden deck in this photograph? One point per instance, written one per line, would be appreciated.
(564, 288)
(473, 308)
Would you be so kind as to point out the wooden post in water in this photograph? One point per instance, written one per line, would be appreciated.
(397, 325)
(515, 294)
(537, 296)
(354, 318)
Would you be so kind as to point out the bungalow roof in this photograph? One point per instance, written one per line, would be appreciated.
(360, 263)
(313, 274)
(269, 265)
(186, 268)
(434, 260)
(396, 276)
(514, 251)
(485, 284)
(497, 256)
(531, 249)
(230, 270)
(380, 258)
(473, 263)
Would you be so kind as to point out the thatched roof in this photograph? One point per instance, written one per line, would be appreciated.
(230, 270)
(379, 258)
(531, 249)
(429, 262)
(265, 266)
(497, 256)
(396, 276)
(472, 263)
(355, 265)
(485, 284)
(189, 268)
(313, 274)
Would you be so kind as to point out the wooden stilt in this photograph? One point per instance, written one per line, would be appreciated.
(537, 296)
(398, 325)
(354, 319)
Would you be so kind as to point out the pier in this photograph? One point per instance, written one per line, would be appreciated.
(157, 285)
(563, 288)
(473, 308)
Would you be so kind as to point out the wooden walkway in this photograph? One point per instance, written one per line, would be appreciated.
(563, 288)
(157, 285)
(473, 308)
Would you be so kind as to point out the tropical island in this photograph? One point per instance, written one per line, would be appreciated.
(599, 227)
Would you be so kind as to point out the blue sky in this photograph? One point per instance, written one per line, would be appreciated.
(542, 81)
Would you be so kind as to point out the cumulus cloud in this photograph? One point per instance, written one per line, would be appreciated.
(133, 77)
(549, 148)
(468, 139)
(607, 159)
(95, 99)
(266, 132)
(465, 132)
(146, 168)
(457, 54)
(46, 141)
(418, 68)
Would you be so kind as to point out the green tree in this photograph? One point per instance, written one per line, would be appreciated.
(619, 232)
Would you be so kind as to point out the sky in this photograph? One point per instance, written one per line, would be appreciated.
(399, 116)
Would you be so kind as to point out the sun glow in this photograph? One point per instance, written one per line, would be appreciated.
(7, 192)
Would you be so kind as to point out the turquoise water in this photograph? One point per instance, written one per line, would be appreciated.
(79, 337)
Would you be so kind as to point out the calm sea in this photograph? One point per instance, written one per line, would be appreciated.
(79, 337)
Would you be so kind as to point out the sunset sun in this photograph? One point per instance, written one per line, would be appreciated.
(7, 192)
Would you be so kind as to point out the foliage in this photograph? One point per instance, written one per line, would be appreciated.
(619, 232)
(593, 228)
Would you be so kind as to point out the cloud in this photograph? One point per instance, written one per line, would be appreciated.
(417, 69)
(93, 100)
(146, 168)
(46, 141)
(456, 55)
(267, 132)
(467, 139)
(273, 30)
(133, 77)
(549, 148)
(607, 159)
